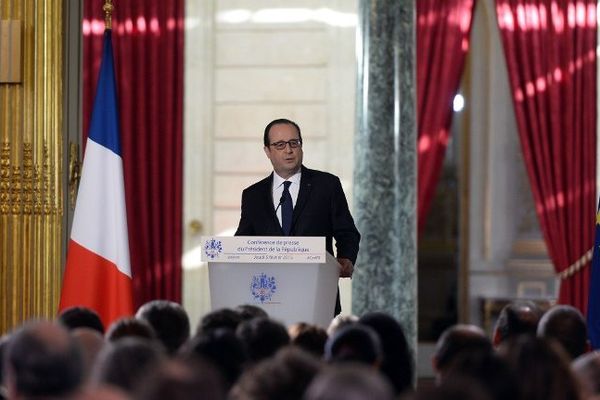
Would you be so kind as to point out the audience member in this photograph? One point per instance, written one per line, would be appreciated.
(542, 369)
(349, 382)
(130, 327)
(517, 318)
(567, 326)
(282, 377)
(249, 311)
(123, 362)
(458, 388)
(223, 349)
(457, 340)
(81, 317)
(42, 361)
(90, 342)
(354, 343)
(308, 337)
(340, 321)
(181, 380)
(397, 362)
(169, 321)
(262, 337)
(222, 318)
(587, 370)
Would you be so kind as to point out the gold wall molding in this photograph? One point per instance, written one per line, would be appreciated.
(31, 138)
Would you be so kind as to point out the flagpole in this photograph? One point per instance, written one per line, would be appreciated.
(108, 10)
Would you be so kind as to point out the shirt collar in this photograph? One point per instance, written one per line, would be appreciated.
(278, 181)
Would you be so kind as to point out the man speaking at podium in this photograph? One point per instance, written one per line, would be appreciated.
(296, 201)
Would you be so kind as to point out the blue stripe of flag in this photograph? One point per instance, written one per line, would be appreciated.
(104, 125)
(593, 314)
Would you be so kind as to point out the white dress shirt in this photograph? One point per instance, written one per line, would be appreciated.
(278, 190)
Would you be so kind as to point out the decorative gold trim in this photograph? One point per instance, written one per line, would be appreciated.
(108, 10)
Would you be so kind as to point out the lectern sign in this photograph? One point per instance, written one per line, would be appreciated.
(266, 250)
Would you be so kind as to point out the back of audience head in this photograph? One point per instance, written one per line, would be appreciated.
(81, 317)
(284, 376)
(567, 326)
(179, 379)
(308, 337)
(169, 321)
(42, 360)
(517, 318)
(349, 382)
(541, 368)
(124, 362)
(249, 311)
(455, 341)
(397, 362)
(130, 327)
(458, 388)
(221, 347)
(587, 370)
(262, 337)
(222, 318)
(340, 321)
(91, 343)
(354, 343)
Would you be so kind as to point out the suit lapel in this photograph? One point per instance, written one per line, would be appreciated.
(303, 194)
(268, 201)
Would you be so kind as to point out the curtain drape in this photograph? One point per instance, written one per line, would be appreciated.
(550, 50)
(148, 48)
(443, 29)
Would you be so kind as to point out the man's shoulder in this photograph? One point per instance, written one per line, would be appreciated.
(315, 174)
(260, 185)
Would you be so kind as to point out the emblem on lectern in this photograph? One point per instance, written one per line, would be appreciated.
(263, 287)
(212, 248)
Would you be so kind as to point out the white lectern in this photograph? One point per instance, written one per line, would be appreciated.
(292, 278)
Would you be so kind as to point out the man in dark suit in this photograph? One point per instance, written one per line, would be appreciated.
(297, 201)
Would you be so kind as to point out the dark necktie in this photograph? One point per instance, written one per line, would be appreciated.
(287, 209)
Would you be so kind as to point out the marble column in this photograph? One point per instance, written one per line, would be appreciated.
(385, 178)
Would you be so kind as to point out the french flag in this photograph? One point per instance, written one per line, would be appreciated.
(97, 273)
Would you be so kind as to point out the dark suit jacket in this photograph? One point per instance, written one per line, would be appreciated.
(321, 210)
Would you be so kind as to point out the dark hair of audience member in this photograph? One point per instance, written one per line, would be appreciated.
(491, 372)
(354, 343)
(124, 362)
(222, 318)
(169, 321)
(349, 382)
(130, 327)
(455, 341)
(42, 360)
(542, 369)
(587, 370)
(91, 343)
(179, 379)
(566, 325)
(284, 376)
(516, 318)
(340, 321)
(80, 317)
(249, 311)
(458, 388)
(397, 362)
(223, 349)
(308, 337)
(262, 337)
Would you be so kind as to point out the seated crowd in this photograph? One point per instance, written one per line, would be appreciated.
(242, 354)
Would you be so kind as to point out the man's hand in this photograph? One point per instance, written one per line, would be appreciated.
(346, 267)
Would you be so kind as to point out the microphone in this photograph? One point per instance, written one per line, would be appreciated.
(281, 200)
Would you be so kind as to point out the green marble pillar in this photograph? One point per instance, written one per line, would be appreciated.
(385, 178)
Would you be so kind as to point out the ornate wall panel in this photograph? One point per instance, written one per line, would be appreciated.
(31, 125)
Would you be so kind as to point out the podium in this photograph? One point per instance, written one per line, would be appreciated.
(292, 278)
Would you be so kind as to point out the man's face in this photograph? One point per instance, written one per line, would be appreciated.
(286, 162)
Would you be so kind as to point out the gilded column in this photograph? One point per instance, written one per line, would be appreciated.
(385, 182)
(31, 166)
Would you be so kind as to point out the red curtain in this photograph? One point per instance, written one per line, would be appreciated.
(550, 50)
(148, 49)
(443, 29)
